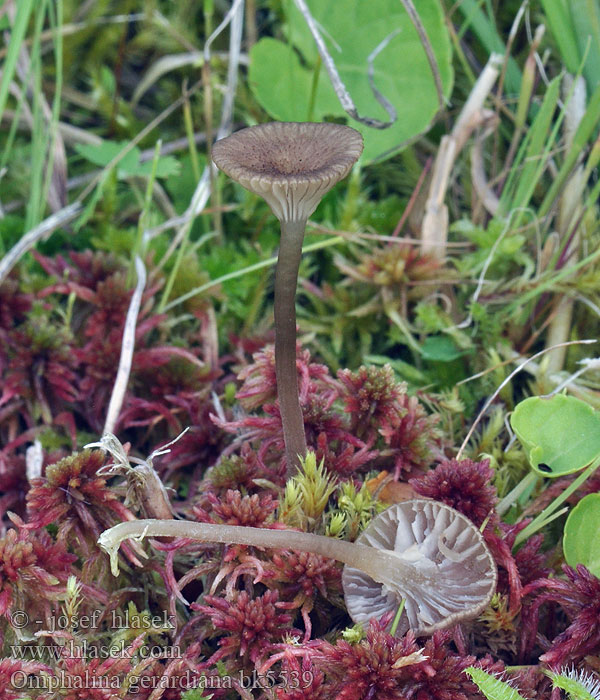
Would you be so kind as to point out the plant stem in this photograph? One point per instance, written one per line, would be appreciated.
(251, 30)
(545, 516)
(380, 565)
(269, 262)
(396, 621)
(313, 90)
(286, 280)
(527, 482)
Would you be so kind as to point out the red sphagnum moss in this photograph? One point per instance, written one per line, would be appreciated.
(579, 597)
(382, 667)
(247, 627)
(464, 485)
(33, 570)
(251, 608)
(75, 498)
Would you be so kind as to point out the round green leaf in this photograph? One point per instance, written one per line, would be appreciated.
(352, 29)
(283, 86)
(581, 543)
(561, 434)
(440, 348)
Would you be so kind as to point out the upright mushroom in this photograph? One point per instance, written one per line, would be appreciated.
(291, 166)
(420, 550)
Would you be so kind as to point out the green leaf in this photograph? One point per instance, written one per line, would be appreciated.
(561, 434)
(493, 688)
(404, 369)
(581, 543)
(130, 164)
(534, 152)
(578, 684)
(585, 16)
(17, 35)
(282, 85)
(352, 29)
(558, 18)
(583, 134)
(484, 27)
(440, 348)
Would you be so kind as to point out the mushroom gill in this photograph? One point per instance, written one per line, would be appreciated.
(453, 574)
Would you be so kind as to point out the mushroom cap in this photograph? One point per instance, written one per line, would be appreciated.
(453, 572)
(291, 165)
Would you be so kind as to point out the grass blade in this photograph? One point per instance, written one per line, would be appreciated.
(24, 8)
(534, 153)
(559, 22)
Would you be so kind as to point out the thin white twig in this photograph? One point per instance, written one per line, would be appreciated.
(589, 303)
(339, 87)
(433, 64)
(589, 363)
(34, 460)
(127, 347)
(434, 230)
(28, 240)
(166, 64)
(233, 11)
(516, 22)
(501, 386)
(488, 261)
(387, 105)
(235, 54)
(202, 192)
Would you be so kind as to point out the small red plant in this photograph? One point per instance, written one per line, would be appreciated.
(247, 626)
(383, 667)
(464, 485)
(234, 509)
(579, 597)
(76, 498)
(305, 578)
(14, 674)
(33, 571)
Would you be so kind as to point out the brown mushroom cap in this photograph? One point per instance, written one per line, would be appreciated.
(290, 164)
(454, 574)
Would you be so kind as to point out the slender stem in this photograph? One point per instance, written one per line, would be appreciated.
(313, 90)
(380, 565)
(396, 621)
(542, 519)
(251, 29)
(319, 245)
(527, 482)
(433, 595)
(286, 280)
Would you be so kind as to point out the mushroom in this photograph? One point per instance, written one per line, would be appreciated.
(291, 165)
(453, 573)
(420, 550)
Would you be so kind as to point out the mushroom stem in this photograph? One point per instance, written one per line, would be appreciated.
(375, 563)
(286, 280)
(420, 550)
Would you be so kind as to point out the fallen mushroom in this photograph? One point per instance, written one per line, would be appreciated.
(454, 575)
(291, 166)
(420, 550)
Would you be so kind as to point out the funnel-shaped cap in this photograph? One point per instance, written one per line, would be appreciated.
(291, 165)
(448, 572)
